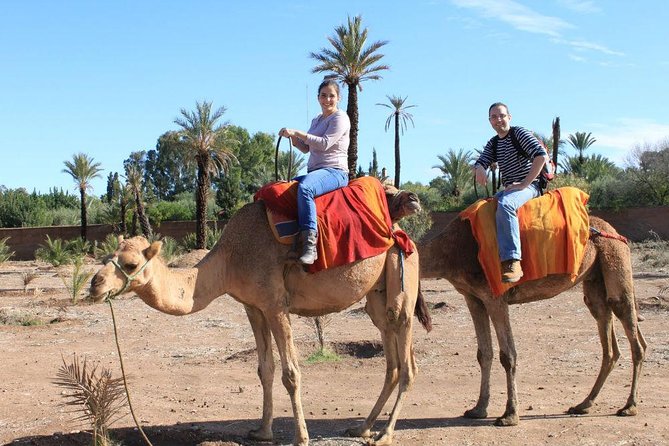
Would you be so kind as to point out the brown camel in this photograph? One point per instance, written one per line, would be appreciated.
(606, 274)
(249, 264)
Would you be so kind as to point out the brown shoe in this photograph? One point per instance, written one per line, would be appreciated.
(511, 271)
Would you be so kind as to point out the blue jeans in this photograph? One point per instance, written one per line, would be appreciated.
(508, 230)
(316, 183)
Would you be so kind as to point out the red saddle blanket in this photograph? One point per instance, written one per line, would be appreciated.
(554, 230)
(353, 222)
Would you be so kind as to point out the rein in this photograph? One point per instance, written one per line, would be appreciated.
(605, 234)
(276, 159)
(128, 278)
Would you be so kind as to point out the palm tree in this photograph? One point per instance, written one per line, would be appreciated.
(134, 175)
(209, 143)
(400, 117)
(581, 141)
(456, 169)
(351, 63)
(83, 170)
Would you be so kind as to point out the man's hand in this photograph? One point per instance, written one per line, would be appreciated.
(481, 176)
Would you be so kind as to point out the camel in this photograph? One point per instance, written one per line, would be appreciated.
(248, 264)
(606, 274)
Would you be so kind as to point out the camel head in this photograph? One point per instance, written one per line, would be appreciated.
(401, 203)
(127, 269)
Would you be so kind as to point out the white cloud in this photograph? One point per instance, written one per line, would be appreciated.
(584, 6)
(523, 18)
(616, 140)
(518, 16)
(576, 58)
(584, 45)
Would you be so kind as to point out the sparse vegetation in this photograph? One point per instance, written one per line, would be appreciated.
(106, 247)
(97, 398)
(653, 252)
(19, 318)
(28, 277)
(189, 242)
(76, 283)
(5, 254)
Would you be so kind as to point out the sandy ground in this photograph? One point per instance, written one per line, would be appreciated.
(193, 379)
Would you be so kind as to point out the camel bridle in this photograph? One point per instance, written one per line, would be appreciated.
(128, 277)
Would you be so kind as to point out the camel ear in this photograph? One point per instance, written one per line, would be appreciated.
(153, 250)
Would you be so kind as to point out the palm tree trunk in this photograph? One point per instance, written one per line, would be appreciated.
(201, 202)
(352, 112)
(556, 140)
(84, 221)
(397, 150)
(143, 218)
(124, 209)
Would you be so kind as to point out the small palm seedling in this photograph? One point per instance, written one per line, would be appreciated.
(76, 283)
(96, 398)
(54, 252)
(107, 247)
(5, 253)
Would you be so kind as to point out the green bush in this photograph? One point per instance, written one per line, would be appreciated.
(54, 252)
(5, 253)
(189, 242)
(170, 250)
(106, 248)
(416, 225)
(79, 247)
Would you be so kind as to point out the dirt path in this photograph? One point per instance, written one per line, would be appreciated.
(193, 378)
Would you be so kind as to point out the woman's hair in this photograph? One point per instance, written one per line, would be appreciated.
(327, 82)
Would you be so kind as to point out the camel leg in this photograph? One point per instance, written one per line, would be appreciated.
(595, 299)
(376, 308)
(484, 354)
(625, 311)
(263, 338)
(290, 371)
(499, 314)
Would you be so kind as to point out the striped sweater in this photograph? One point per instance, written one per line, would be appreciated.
(513, 166)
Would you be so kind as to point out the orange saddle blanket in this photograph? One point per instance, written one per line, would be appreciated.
(353, 222)
(554, 230)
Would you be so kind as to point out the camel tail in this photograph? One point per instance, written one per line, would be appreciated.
(422, 312)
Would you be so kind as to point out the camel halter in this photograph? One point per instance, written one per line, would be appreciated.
(128, 278)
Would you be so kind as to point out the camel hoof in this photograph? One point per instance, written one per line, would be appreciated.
(628, 411)
(382, 439)
(359, 431)
(581, 409)
(476, 414)
(260, 435)
(507, 420)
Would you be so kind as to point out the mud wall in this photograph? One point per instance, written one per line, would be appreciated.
(634, 223)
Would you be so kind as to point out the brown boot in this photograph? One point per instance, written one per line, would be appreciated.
(309, 252)
(511, 271)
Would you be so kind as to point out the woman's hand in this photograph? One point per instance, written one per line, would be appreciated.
(288, 133)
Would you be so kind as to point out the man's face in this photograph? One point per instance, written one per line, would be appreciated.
(499, 120)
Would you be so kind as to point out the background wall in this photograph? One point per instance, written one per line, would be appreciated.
(634, 223)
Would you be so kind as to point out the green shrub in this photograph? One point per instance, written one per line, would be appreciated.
(170, 250)
(106, 248)
(79, 246)
(416, 225)
(189, 242)
(5, 253)
(54, 252)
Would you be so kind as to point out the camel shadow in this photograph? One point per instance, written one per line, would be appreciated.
(323, 431)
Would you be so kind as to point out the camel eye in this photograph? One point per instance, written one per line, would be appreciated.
(130, 266)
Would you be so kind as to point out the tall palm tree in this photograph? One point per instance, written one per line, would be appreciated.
(400, 117)
(581, 141)
(134, 175)
(210, 145)
(456, 170)
(352, 63)
(83, 170)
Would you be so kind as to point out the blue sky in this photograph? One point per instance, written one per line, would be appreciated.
(108, 78)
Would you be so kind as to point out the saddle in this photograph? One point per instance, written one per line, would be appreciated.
(353, 222)
(554, 231)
